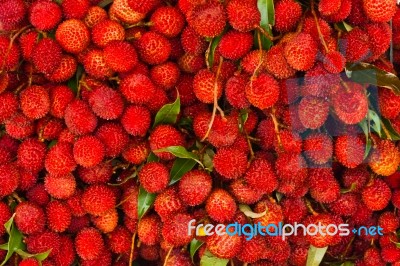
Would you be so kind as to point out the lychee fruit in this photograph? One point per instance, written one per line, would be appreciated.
(154, 177)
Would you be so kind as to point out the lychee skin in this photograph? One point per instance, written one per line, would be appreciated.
(349, 150)
(220, 206)
(230, 162)
(194, 187)
(131, 117)
(31, 155)
(313, 112)
(385, 158)
(301, 52)
(261, 176)
(114, 138)
(263, 91)
(120, 56)
(58, 216)
(8, 105)
(44, 15)
(287, 14)
(224, 246)
(59, 159)
(208, 19)
(168, 21)
(379, 11)
(204, 86)
(73, 36)
(175, 230)
(243, 15)
(88, 151)
(35, 102)
(137, 88)
(154, 177)
(106, 103)
(79, 118)
(107, 31)
(98, 199)
(120, 240)
(376, 195)
(89, 243)
(149, 229)
(154, 48)
(9, 177)
(60, 187)
(65, 70)
(46, 55)
(235, 45)
(164, 136)
(29, 218)
(168, 203)
(95, 64)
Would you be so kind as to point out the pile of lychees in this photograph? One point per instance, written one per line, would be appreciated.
(122, 121)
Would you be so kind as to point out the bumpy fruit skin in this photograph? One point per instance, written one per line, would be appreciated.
(60, 97)
(60, 187)
(9, 177)
(261, 176)
(44, 15)
(137, 88)
(327, 8)
(73, 36)
(107, 222)
(136, 151)
(88, 151)
(220, 206)
(334, 62)
(149, 229)
(154, 48)
(29, 262)
(131, 117)
(31, 155)
(208, 19)
(58, 216)
(225, 246)
(194, 187)
(39, 243)
(79, 118)
(175, 230)
(29, 218)
(65, 70)
(388, 102)
(120, 240)
(287, 14)
(5, 215)
(301, 52)
(120, 56)
(323, 239)
(318, 148)
(276, 63)
(12, 11)
(380, 36)
(154, 177)
(98, 199)
(243, 15)
(350, 106)
(89, 243)
(168, 203)
(263, 91)
(376, 195)
(389, 222)
(313, 112)
(243, 193)
(164, 136)
(113, 137)
(235, 45)
(380, 10)
(235, 92)
(192, 42)
(385, 159)
(204, 86)
(8, 106)
(355, 45)
(168, 21)
(35, 102)
(106, 103)
(230, 162)
(59, 159)
(11, 55)
(46, 55)
(324, 187)
(95, 64)
(349, 150)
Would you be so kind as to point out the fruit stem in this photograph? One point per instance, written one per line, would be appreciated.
(347, 247)
(168, 254)
(216, 107)
(15, 196)
(321, 37)
(140, 24)
(17, 90)
(208, 55)
(132, 249)
(310, 208)
(260, 61)
(267, 35)
(387, 133)
(276, 126)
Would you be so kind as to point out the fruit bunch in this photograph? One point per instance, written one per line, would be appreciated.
(122, 122)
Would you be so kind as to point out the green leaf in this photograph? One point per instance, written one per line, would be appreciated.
(393, 134)
(315, 255)
(278, 196)
(105, 3)
(208, 160)
(208, 259)
(73, 83)
(40, 256)
(344, 26)
(168, 114)
(367, 73)
(152, 158)
(364, 124)
(4, 246)
(373, 116)
(214, 43)
(347, 263)
(267, 11)
(52, 143)
(249, 213)
(194, 246)
(15, 239)
(180, 167)
(244, 115)
(181, 152)
(145, 200)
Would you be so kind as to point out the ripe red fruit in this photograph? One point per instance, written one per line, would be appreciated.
(89, 243)
(301, 52)
(380, 36)
(167, 203)
(324, 187)
(35, 102)
(168, 21)
(224, 246)
(294, 210)
(230, 162)
(120, 9)
(73, 36)
(334, 62)
(325, 237)
(12, 11)
(376, 195)
(204, 86)
(154, 177)
(31, 155)
(345, 205)
(75, 8)
(243, 193)
(95, 64)
(276, 64)
(9, 178)
(142, 6)
(149, 229)
(120, 56)
(349, 150)
(46, 55)
(235, 45)
(5, 215)
(136, 151)
(154, 48)
(261, 176)
(29, 262)
(67, 256)
(342, 13)
(65, 70)
(385, 158)
(388, 102)
(243, 15)
(60, 187)
(235, 91)
(220, 206)
(313, 111)
(208, 19)
(44, 15)
(131, 117)
(130, 202)
(318, 148)
(38, 194)
(98, 199)
(107, 222)
(137, 88)
(29, 218)
(60, 97)
(326, 7)
(165, 75)
(58, 216)
(350, 106)
(287, 15)
(79, 118)
(106, 103)
(8, 105)
(355, 45)
(19, 126)
(389, 222)
(59, 159)
(88, 151)
(95, 15)
(263, 91)
(114, 138)
(164, 136)
(175, 230)
(192, 42)
(194, 187)
(43, 242)
(379, 10)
